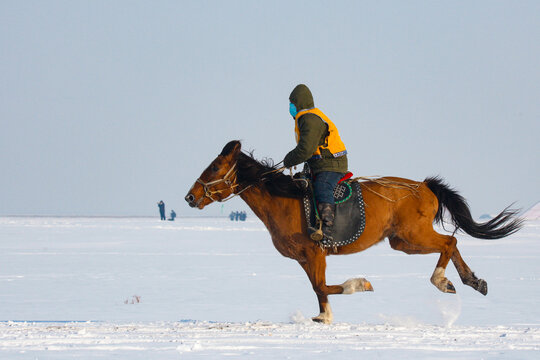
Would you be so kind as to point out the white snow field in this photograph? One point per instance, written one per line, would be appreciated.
(209, 288)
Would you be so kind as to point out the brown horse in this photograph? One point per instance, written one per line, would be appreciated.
(403, 213)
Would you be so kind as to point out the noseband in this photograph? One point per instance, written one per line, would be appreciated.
(229, 179)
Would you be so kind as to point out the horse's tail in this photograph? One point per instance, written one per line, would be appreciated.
(504, 224)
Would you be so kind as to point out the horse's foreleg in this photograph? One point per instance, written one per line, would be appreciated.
(325, 311)
(315, 268)
(466, 274)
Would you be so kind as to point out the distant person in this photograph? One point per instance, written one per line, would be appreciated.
(161, 206)
(231, 216)
(173, 215)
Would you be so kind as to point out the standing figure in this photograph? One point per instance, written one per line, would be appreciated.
(318, 144)
(161, 206)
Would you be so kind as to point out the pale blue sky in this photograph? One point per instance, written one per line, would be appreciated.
(106, 107)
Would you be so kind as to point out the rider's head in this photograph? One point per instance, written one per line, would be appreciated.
(301, 98)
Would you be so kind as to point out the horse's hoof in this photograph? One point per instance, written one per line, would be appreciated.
(367, 286)
(482, 287)
(322, 320)
(355, 285)
(450, 288)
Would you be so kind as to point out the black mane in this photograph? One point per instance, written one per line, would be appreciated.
(252, 171)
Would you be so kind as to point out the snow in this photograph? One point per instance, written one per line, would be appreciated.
(140, 288)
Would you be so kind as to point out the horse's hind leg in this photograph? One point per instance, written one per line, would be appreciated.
(466, 274)
(426, 243)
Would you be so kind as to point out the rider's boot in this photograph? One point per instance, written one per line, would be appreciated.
(327, 214)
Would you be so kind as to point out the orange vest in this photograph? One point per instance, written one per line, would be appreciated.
(332, 142)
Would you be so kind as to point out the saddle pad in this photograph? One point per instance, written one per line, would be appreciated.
(350, 217)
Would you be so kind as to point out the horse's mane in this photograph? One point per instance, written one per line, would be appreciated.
(252, 171)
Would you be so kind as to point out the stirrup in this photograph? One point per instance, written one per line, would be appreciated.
(316, 234)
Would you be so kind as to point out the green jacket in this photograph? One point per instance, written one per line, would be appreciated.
(313, 132)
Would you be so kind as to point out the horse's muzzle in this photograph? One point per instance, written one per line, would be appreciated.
(190, 198)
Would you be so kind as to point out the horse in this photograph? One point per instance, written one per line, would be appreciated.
(402, 210)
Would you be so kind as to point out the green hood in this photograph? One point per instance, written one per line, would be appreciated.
(301, 98)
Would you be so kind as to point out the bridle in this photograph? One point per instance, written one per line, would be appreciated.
(229, 179)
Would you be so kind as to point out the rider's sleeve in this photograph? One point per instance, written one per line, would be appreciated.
(312, 129)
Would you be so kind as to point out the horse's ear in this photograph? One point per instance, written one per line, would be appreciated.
(231, 149)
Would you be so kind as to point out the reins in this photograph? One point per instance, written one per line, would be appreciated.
(281, 169)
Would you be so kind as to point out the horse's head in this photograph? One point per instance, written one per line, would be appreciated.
(218, 181)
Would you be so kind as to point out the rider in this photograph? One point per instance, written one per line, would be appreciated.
(318, 144)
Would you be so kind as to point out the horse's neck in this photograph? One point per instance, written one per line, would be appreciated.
(281, 216)
(259, 201)
(274, 211)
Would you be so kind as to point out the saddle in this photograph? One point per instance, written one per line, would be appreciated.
(350, 215)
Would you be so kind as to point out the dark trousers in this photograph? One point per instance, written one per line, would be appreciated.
(324, 184)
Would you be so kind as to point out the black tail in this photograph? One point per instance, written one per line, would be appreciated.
(504, 224)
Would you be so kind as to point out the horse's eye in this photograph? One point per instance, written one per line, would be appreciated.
(215, 168)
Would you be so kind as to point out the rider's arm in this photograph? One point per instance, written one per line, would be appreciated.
(312, 129)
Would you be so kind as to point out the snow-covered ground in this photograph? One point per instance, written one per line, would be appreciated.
(139, 288)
